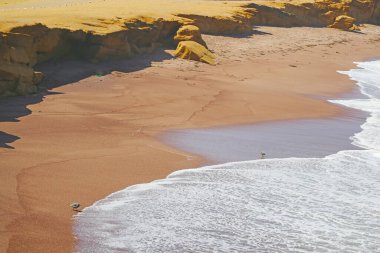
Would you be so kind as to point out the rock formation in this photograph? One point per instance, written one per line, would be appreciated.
(192, 50)
(189, 32)
(17, 56)
(321, 13)
(344, 23)
(24, 47)
(239, 23)
(21, 48)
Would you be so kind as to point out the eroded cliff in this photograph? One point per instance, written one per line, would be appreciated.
(22, 47)
(319, 13)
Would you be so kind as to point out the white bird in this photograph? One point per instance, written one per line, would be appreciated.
(75, 206)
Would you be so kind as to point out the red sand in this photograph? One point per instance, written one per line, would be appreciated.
(96, 136)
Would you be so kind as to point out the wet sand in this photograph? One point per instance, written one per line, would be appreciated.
(277, 139)
(93, 135)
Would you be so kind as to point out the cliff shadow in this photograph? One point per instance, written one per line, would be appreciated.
(12, 108)
(253, 32)
(6, 139)
(58, 73)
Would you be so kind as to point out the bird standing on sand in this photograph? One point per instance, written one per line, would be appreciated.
(75, 206)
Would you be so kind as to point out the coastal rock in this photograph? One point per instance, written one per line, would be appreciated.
(17, 58)
(365, 10)
(47, 42)
(320, 13)
(102, 47)
(240, 23)
(21, 48)
(329, 17)
(375, 17)
(16, 78)
(189, 32)
(344, 23)
(192, 50)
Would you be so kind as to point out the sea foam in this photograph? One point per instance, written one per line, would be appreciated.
(326, 204)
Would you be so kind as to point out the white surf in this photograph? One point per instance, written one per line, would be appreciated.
(329, 204)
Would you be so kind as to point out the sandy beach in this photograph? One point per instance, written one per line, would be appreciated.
(95, 135)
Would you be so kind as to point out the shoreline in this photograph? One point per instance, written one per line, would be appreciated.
(258, 187)
(298, 138)
(130, 107)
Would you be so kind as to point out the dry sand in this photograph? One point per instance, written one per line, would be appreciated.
(93, 137)
(104, 16)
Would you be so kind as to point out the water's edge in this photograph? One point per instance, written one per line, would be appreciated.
(277, 139)
(309, 193)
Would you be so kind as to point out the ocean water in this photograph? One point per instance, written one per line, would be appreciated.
(329, 204)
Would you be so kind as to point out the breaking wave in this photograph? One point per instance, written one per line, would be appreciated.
(328, 204)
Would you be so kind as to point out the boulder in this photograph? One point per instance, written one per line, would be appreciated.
(189, 32)
(344, 22)
(192, 50)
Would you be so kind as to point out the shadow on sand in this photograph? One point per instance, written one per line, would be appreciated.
(249, 34)
(7, 138)
(65, 72)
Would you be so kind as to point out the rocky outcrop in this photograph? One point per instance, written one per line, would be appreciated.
(287, 15)
(23, 47)
(375, 16)
(189, 32)
(192, 50)
(344, 23)
(321, 13)
(240, 23)
(365, 10)
(17, 58)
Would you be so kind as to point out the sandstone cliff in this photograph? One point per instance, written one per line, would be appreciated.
(17, 58)
(320, 13)
(192, 50)
(22, 47)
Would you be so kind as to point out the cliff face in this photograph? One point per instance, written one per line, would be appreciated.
(320, 13)
(17, 58)
(239, 23)
(365, 10)
(22, 48)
